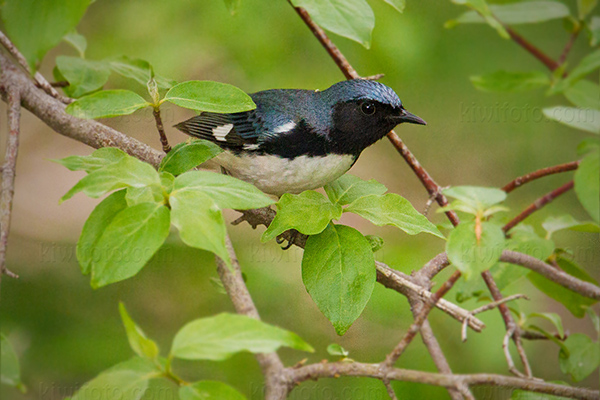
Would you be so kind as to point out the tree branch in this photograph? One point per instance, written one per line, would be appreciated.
(8, 175)
(233, 282)
(161, 130)
(531, 49)
(518, 182)
(39, 78)
(538, 204)
(334, 370)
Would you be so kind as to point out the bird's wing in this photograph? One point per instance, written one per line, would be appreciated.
(248, 130)
(232, 131)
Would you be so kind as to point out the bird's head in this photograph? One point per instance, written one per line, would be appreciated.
(364, 111)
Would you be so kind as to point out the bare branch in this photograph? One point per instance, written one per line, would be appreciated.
(52, 113)
(39, 79)
(8, 175)
(487, 307)
(331, 370)
(531, 49)
(233, 282)
(518, 182)
(584, 288)
(538, 204)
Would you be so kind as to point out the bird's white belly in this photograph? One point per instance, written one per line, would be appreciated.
(277, 175)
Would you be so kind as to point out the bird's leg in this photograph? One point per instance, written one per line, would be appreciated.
(291, 237)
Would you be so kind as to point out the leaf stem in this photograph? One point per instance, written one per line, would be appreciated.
(161, 130)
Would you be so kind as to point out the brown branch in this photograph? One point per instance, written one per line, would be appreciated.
(538, 204)
(568, 46)
(52, 113)
(39, 78)
(161, 130)
(531, 49)
(8, 175)
(584, 288)
(488, 307)
(518, 182)
(333, 370)
(233, 282)
(414, 328)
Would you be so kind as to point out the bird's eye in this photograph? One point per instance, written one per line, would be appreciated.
(368, 108)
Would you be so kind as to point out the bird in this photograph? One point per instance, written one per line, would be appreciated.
(297, 140)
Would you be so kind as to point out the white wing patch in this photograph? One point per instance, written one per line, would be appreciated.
(220, 132)
(285, 127)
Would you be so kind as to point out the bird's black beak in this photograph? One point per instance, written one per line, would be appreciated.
(405, 116)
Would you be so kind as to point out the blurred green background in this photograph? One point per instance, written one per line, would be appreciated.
(65, 332)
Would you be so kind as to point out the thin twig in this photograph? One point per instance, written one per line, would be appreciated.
(568, 46)
(233, 282)
(538, 204)
(393, 356)
(161, 130)
(8, 175)
(389, 388)
(39, 78)
(509, 322)
(505, 348)
(518, 182)
(534, 51)
(487, 307)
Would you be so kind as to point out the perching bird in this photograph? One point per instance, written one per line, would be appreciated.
(297, 140)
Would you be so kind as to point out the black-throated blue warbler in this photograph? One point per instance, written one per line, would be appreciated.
(297, 140)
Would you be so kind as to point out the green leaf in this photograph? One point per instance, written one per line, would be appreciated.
(95, 225)
(480, 8)
(578, 118)
(584, 94)
(586, 66)
(127, 380)
(199, 221)
(554, 318)
(36, 26)
(139, 70)
(308, 212)
(554, 224)
(587, 146)
(399, 5)
(335, 349)
(352, 19)
(210, 96)
(587, 185)
(479, 198)
(106, 104)
(472, 256)
(78, 42)
(84, 76)
(129, 242)
(126, 172)
(574, 302)
(593, 27)
(376, 242)
(9, 364)
(186, 156)
(338, 270)
(525, 12)
(233, 6)
(524, 240)
(392, 209)
(219, 337)
(138, 340)
(146, 194)
(348, 188)
(224, 190)
(584, 7)
(98, 159)
(505, 81)
(583, 357)
(209, 390)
